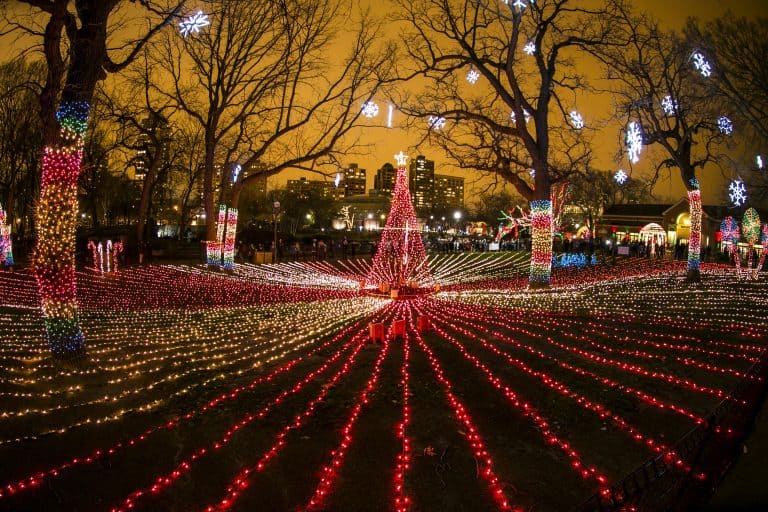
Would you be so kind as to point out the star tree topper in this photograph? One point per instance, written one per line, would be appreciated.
(402, 159)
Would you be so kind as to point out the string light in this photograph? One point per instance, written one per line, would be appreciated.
(669, 105)
(701, 64)
(577, 120)
(737, 191)
(193, 23)
(725, 125)
(541, 242)
(634, 141)
(694, 237)
(56, 217)
(400, 258)
(6, 243)
(370, 109)
(436, 122)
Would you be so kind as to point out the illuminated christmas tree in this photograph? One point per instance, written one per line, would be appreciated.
(400, 258)
(6, 246)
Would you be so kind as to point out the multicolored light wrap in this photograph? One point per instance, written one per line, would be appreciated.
(229, 239)
(730, 233)
(56, 218)
(750, 232)
(694, 238)
(6, 244)
(764, 246)
(541, 242)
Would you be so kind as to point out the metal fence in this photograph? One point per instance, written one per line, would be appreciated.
(708, 451)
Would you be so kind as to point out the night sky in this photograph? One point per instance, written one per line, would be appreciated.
(387, 142)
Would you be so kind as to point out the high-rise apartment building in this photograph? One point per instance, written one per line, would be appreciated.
(304, 188)
(449, 192)
(384, 181)
(422, 182)
(155, 131)
(354, 181)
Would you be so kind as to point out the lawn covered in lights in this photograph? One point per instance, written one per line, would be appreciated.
(257, 390)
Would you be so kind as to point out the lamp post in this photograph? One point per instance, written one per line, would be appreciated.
(275, 214)
(457, 218)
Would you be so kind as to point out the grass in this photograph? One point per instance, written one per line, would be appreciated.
(561, 388)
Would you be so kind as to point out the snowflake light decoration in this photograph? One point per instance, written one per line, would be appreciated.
(634, 142)
(620, 177)
(737, 192)
(576, 120)
(532, 173)
(529, 48)
(669, 105)
(519, 4)
(436, 122)
(526, 114)
(370, 109)
(473, 76)
(193, 24)
(701, 64)
(725, 125)
(759, 162)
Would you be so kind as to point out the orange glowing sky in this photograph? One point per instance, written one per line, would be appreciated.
(386, 142)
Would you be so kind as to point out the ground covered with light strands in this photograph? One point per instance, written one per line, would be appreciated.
(258, 390)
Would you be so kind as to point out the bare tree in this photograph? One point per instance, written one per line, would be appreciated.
(662, 83)
(503, 83)
(260, 84)
(75, 45)
(20, 139)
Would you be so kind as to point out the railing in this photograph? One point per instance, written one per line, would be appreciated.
(708, 450)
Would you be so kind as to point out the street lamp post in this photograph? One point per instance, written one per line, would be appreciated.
(275, 214)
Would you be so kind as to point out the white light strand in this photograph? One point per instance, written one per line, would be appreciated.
(634, 142)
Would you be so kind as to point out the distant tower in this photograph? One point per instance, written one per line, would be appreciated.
(400, 257)
(422, 183)
(354, 181)
(384, 181)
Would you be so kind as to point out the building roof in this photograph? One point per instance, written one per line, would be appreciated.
(636, 210)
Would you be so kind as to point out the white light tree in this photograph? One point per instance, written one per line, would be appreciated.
(652, 69)
(528, 64)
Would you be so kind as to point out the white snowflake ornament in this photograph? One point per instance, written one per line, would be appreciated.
(669, 105)
(701, 64)
(473, 76)
(370, 109)
(576, 120)
(737, 192)
(620, 177)
(193, 24)
(529, 48)
(436, 122)
(725, 125)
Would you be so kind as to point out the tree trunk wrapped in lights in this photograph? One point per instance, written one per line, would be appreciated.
(694, 238)
(56, 218)
(6, 244)
(541, 243)
(400, 257)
